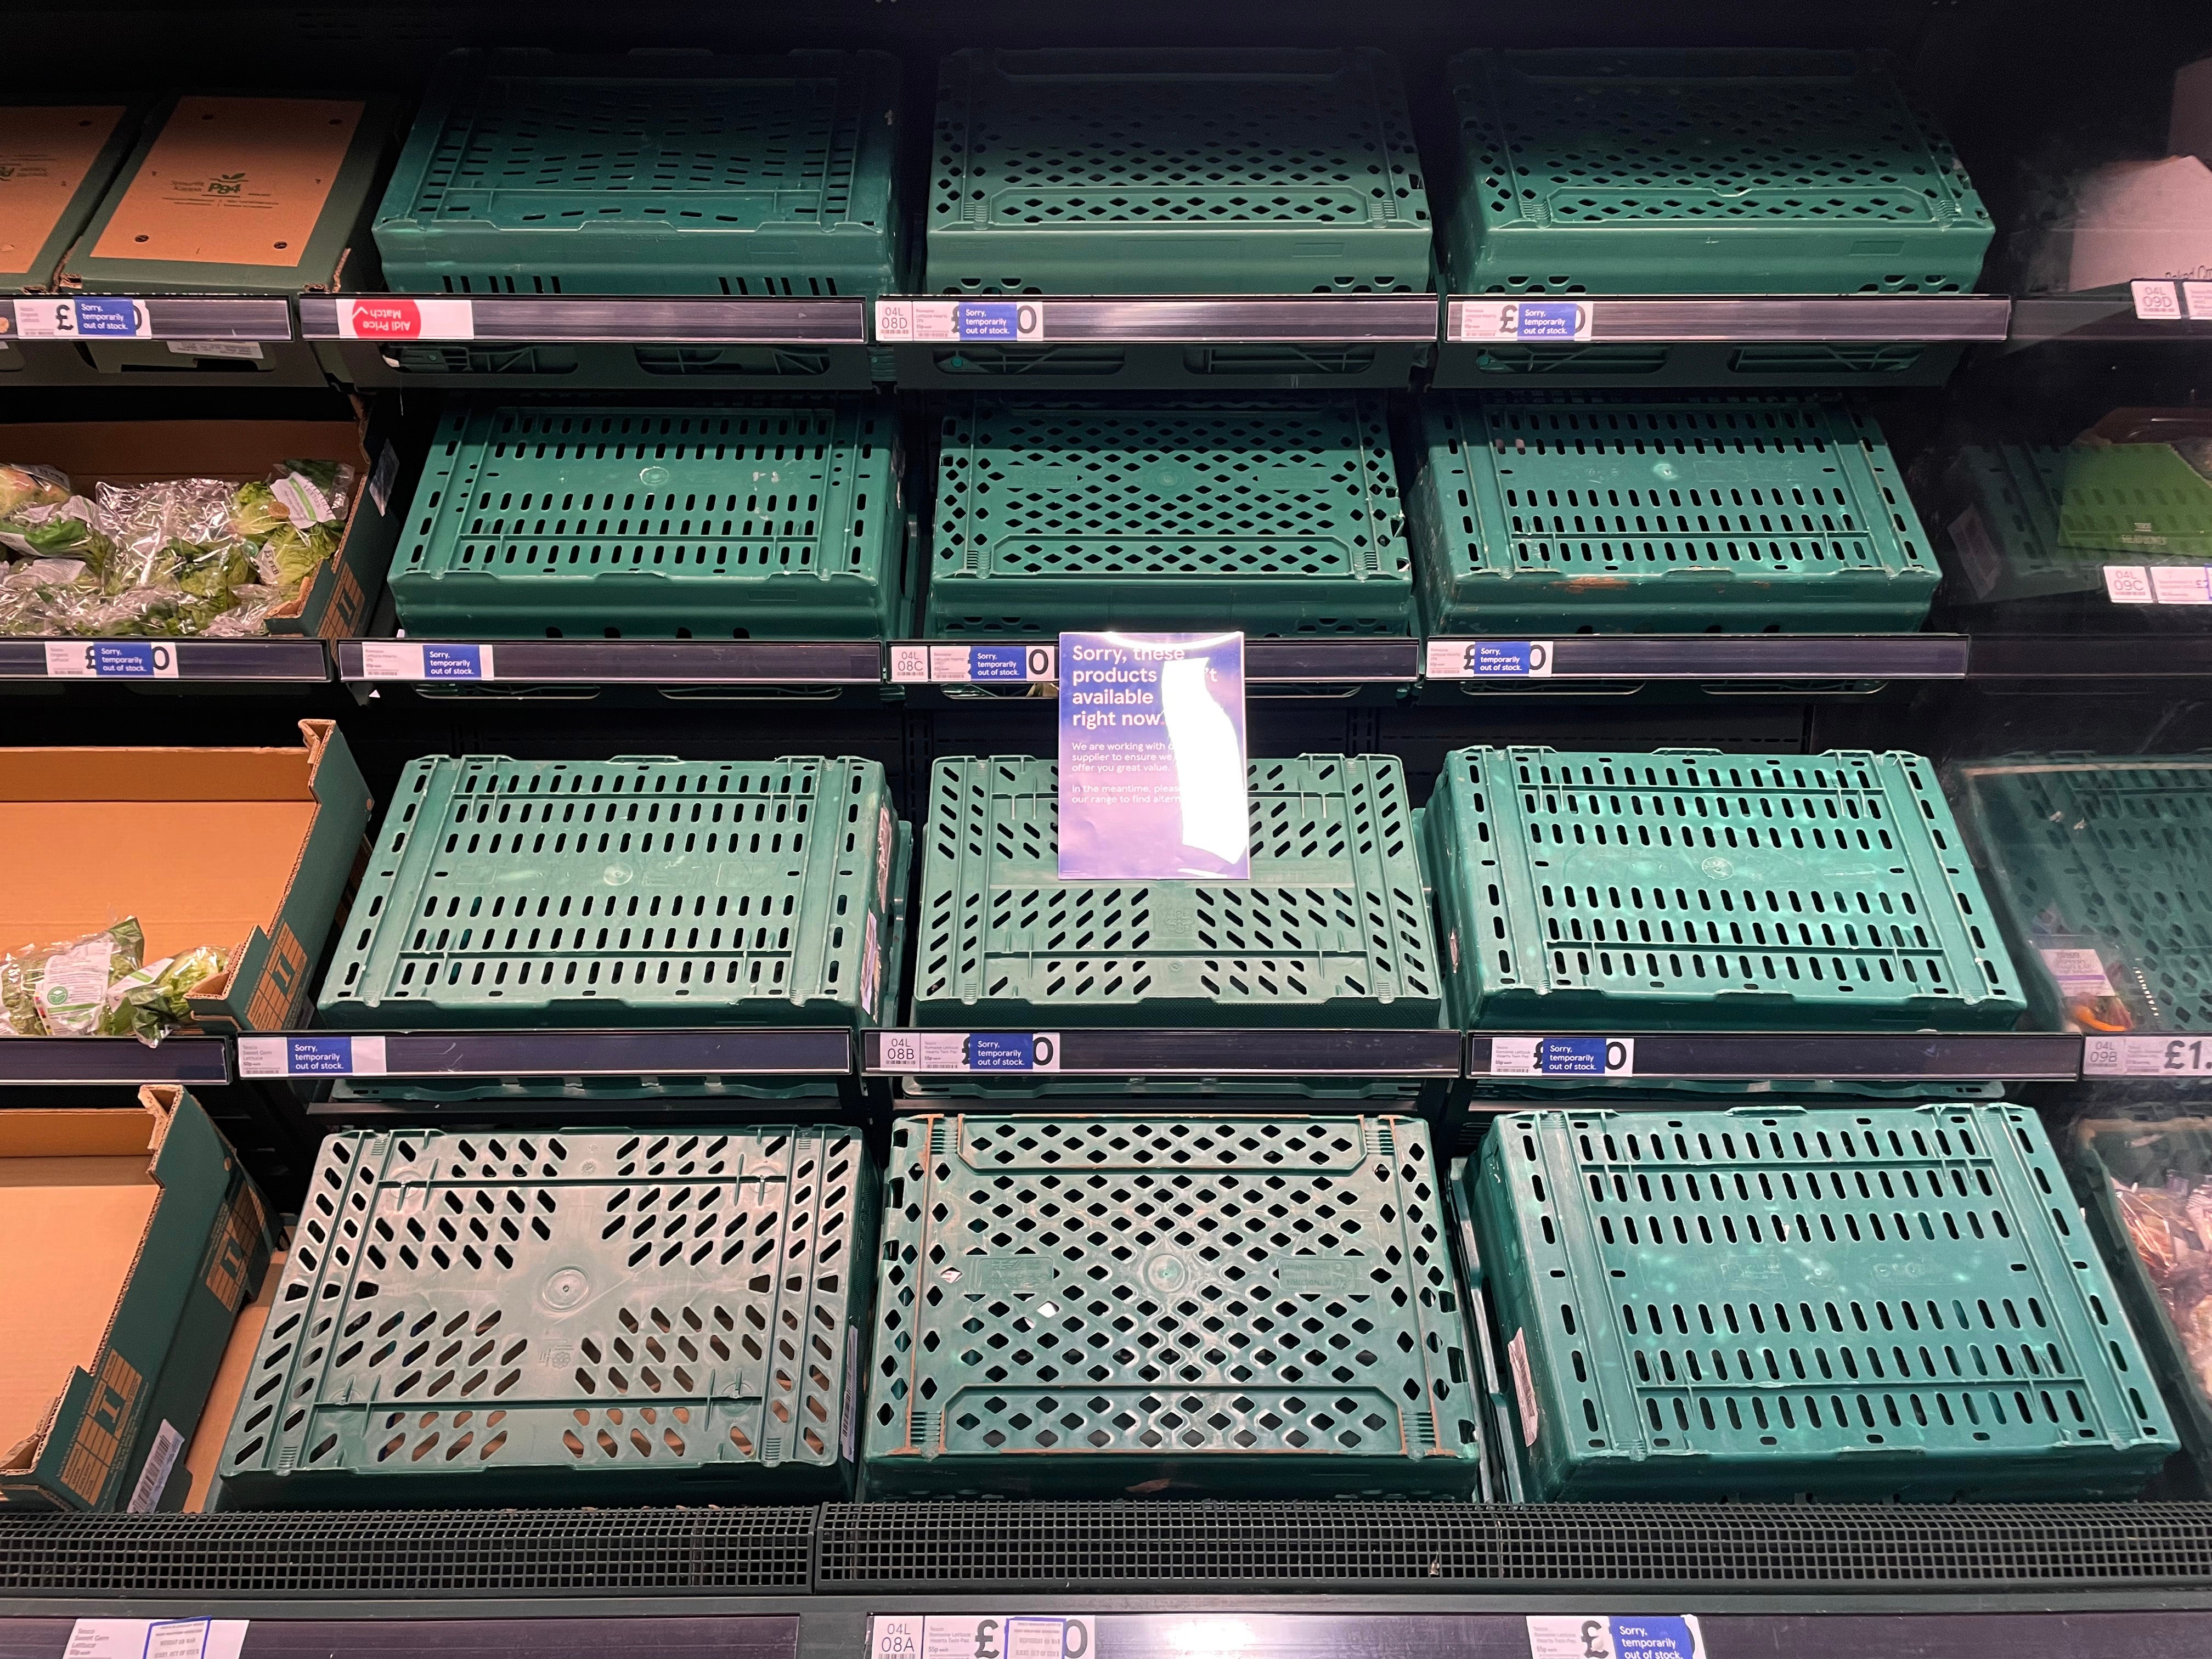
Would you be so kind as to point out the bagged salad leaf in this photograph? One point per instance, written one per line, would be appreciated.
(175, 558)
(99, 985)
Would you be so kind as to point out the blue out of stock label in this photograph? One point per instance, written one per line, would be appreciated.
(995, 319)
(1614, 1636)
(998, 662)
(1572, 1057)
(112, 660)
(319, 1057)
(290, 1056)
(1489, 659)
(453, 662)
(106, 317)
(1563, 1056)
(1540, 321)
(1011, 1051)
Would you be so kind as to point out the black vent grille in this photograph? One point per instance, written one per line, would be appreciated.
(1418, 1545)
(411, 1553)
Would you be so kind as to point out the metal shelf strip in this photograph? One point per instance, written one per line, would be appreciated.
(1703, 657)
(1750, 320)
(2012, 1056)
(196, 1061)
(1158, 318)
(1128, 1051)
(154, 661)
(535, 318)
(98, 318)
(730, 1051)
(618, 662)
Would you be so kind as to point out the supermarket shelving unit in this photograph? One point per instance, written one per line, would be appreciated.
(1147, 1576)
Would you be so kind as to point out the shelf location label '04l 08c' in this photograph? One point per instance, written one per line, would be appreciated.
(1023, 663)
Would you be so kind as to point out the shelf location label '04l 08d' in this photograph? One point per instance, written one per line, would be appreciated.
(1008, 321)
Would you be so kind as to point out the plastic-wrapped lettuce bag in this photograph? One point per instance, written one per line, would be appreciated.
(61, 990)
(150, 1001)
(155, 526)
(24, 486)
(298, 515)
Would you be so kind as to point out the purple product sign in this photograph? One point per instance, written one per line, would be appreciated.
(1153, 780)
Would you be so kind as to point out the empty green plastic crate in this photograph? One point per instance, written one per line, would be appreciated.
(1683, 515)
(1092, 1306)
(643, 891)
(1331, 929)
(580, 1316)
(1703, 172)
(2101, 869)
(767, 519)
(531, 171)
(1865, 1303)
(1174, 172)
(1280, 518)
(1689, 890)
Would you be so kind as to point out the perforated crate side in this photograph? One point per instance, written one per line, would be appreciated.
(1655, 171)
(642, 891)
(1689, 890)
(765, 518)
(1680, 516)
(1108, 1304)
(1279, 518)
(1854, 1303)
(2112, 855)
(1174, 172)
(1331, 929)
(531, 171)
(577, 1314)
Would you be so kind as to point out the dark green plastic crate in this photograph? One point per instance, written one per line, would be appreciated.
(1089, 1306)
(1681, 515)
(2108, 854)
(1864, 1303)
(1174, 172)
(1280, 518)
(643, 891)
(1703, 172)
(579, 1316)
(530, 171)
(770, 519)
(2149, 1153)
(1333, 928)
(1690, 890)
(2003, 501)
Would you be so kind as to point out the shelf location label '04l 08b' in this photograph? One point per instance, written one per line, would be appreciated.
(919, 1053)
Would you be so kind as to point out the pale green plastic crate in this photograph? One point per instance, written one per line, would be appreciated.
(1628, 514)
(772, 518)
(1281, 518)
(578, 1316)
(1691, 889)
(1184, 170)
(639, 890)
(1703, 172)
(1089, 1304)
(1861, 1303)
(532, 172)
(1333, 929)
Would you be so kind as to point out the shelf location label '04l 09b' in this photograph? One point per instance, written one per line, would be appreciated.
(2147, 1056)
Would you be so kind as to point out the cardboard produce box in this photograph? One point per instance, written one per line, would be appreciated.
(247, 849)
(237, 195)
(55, 162)
(129, 1240)
(337, 600)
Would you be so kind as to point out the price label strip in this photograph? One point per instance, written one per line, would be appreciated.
(975, 665)
(1478, 322)
(2147, 1056)
(111, 659)
(1489, 659)
(1009, 321)
(155, 1638)
(918, 1053)
(387, 661)
(310, 1056)
(983, 1636)
(1563, 1056)
(2159, 584)
(407, 319)
(86, 316)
